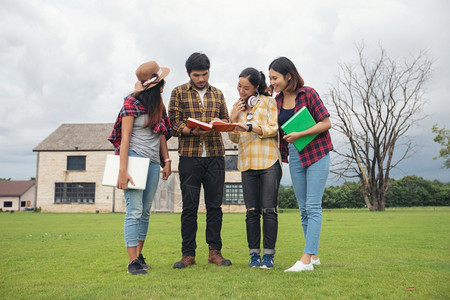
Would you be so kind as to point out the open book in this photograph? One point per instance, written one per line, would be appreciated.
(216, 125)
(300, 121)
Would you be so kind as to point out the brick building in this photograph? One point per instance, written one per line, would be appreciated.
(70, 164)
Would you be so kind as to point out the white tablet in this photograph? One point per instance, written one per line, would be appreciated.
(137, 168)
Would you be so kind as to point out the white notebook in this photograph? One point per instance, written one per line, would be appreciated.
(137, 168)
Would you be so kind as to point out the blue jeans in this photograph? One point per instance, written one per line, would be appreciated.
(138, 205)
(309, 184)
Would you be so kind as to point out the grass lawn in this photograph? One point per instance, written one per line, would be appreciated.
(397, 254)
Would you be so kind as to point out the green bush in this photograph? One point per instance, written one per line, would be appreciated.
(406, 192)
(348, 195)
(286, 197)
(416, 191)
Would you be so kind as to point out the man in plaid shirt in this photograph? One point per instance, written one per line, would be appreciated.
(201, 158)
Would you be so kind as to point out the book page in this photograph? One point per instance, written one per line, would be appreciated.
(194, 123)
(223, 126)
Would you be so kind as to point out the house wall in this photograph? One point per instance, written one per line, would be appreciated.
(174, 190)
(14, 200)
(29, 196)
(170, 191)
(52, 169)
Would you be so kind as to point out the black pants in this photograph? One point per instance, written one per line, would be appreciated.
(194, 172)
(260, 189)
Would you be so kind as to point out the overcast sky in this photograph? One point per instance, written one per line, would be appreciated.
(74, 61)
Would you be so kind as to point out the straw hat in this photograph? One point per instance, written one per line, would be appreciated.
(149, 74)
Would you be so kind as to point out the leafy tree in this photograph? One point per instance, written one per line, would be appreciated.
(416, 191)
(286, 197)
(441, 196)
(375, 102)
(443, 139)
(348, 195)
(408, 191)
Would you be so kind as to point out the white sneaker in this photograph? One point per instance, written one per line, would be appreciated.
(299, 266)
(315, 262)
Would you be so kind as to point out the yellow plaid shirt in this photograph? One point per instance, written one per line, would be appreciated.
(185, 103)
(259, 152)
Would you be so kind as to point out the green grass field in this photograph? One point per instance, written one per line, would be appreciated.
(397, 254)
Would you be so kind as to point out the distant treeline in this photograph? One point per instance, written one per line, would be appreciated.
(408, 191)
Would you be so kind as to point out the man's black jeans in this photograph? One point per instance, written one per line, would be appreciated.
(195, 172)
(260, 189)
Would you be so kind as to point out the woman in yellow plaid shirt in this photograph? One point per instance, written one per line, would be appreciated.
(259, 161)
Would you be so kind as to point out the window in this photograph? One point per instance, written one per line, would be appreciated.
(74, 192)
(233, 194)
(76, 163)
(22, 203)
(7, 204)
(231, 162)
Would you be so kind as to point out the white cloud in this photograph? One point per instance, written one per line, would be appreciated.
(74, 61)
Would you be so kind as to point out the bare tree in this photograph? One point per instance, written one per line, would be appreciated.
(375, 103)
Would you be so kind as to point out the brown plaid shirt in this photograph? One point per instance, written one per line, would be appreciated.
(184, 103)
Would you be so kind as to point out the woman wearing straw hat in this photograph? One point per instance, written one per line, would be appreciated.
(142, 129)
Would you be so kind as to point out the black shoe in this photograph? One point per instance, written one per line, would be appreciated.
(179, 265)
(141, 259)
(135, 268)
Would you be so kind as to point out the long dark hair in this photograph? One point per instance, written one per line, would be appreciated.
(153, 102)
(257, 79)
(284, 66)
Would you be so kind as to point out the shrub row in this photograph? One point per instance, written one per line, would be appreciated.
(408, 191)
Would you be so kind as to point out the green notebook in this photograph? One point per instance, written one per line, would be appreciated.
(300, 121)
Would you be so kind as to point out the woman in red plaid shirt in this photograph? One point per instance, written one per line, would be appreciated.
(309, 167)
(141, 130)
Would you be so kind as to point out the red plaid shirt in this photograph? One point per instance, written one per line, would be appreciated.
(321, 145)
(132, 107)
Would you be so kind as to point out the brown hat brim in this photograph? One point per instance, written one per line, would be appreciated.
(138, 85)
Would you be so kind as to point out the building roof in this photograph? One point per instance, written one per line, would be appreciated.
(94, 137)
(15, 187)
(78, 137)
